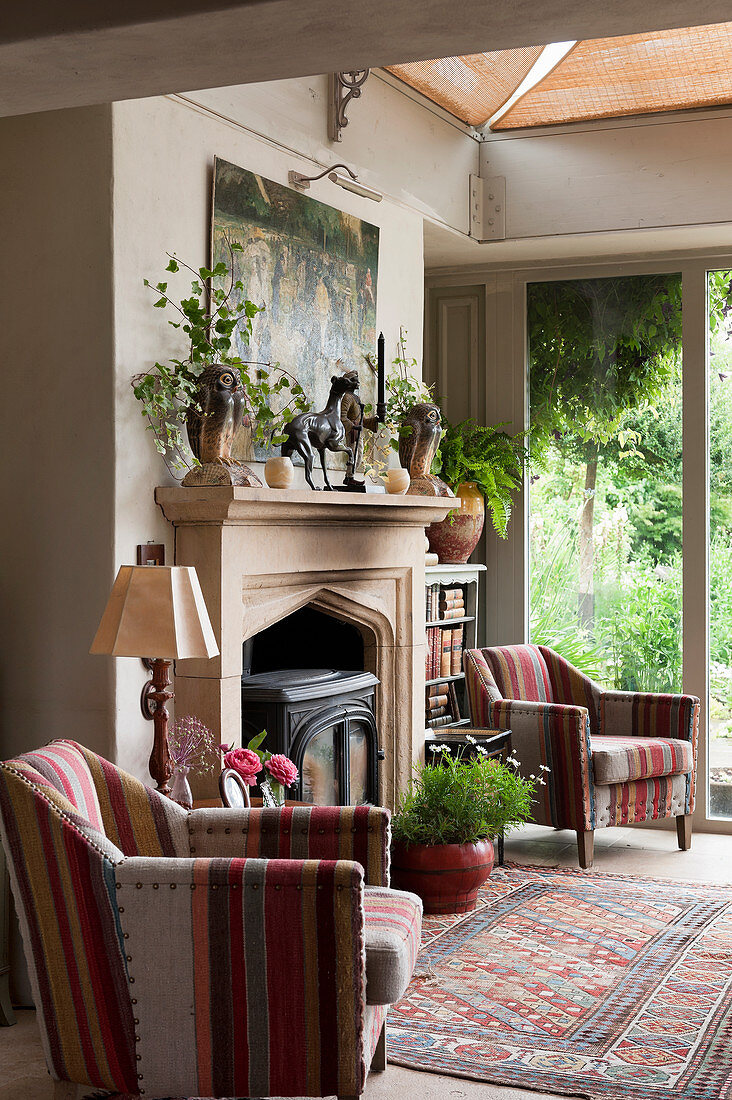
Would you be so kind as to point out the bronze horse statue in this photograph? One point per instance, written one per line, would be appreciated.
(321, 431)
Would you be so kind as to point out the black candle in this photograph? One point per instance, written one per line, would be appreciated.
(381, 377)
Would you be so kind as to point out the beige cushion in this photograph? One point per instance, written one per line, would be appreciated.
(627, 759)
(393, 926)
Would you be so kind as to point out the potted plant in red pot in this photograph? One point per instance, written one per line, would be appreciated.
(443, 830)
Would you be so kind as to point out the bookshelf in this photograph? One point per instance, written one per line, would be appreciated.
(451, 623)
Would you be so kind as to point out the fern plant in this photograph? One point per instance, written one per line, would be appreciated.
(490, 457)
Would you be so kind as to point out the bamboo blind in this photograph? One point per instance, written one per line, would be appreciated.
(634, 74)
(473, 87)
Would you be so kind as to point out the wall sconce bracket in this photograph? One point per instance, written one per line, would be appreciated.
(342, 88)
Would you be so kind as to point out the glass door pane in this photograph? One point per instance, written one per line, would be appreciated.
(720, 548)
(605, 490)
(358, 763)
(321, 768)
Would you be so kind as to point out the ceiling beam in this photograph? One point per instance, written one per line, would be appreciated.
(93, 51)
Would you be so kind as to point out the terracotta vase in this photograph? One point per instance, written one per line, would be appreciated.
(446, 877)
(454, 538)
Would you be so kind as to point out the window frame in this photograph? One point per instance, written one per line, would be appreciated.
(506, 603)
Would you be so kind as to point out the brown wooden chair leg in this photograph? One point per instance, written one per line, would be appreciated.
(65, 1090)
(683, 831)
(585, 847)
(378, 1062)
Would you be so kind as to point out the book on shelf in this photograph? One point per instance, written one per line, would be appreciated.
(451, 594)
(452, 693)
(431, 644)
(440, 700)
(436, 722)
(456, 650)
(438, 712)
(434, 653)
(432, 597)
(452, 613)
(448, 604)
(445, 652)
(436, 690)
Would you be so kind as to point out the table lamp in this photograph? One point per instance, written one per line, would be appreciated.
(152, 610)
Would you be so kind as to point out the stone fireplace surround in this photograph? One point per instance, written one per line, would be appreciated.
(261, 554)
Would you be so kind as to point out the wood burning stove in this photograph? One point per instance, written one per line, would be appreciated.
(323, 719)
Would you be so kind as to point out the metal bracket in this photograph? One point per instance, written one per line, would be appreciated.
(342, 88)
(488, 208)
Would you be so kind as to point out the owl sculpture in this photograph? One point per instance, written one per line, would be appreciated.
(211, 426)
(418, 443)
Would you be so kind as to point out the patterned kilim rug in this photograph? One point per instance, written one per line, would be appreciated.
(580, 984)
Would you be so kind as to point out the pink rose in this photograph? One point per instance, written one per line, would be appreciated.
(244, 761)
(282, 769)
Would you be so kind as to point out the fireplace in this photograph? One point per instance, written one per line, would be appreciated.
(323, 719)
(263, 555)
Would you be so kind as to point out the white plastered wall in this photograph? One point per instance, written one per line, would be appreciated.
(92, 198)
(164, 151)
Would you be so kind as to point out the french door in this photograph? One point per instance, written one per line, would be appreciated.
(642, 541)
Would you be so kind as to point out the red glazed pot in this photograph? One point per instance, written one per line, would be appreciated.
(454, 538)
(446, 877)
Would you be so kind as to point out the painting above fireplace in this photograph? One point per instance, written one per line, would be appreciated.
(314, 269)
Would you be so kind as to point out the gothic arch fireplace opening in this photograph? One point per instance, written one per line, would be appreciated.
(304, 639)
(304, 681)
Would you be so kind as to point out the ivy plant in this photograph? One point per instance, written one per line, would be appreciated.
(490, 457)
(210, 316)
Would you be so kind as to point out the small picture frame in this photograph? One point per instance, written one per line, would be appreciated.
(151, 553)
(233, 790)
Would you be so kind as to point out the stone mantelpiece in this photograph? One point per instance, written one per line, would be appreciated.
(262, 554)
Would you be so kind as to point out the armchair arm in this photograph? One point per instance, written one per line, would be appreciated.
(246, 975)
(360, 833)
(557, 736)
(633, 714)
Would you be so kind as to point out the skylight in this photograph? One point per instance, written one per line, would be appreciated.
(576, 81)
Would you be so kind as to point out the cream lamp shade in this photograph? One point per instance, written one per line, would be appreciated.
(156, 611)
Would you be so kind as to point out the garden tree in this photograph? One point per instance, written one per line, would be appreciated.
(648, 480)
(604, 353)
(600, 349)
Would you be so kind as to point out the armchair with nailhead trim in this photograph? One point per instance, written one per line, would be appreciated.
(210, 953)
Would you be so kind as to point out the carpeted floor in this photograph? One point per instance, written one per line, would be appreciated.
(580, 984)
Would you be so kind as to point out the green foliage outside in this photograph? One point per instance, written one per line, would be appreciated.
(606, 417)
(461, 801)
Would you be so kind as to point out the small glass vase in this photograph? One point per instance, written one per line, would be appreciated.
(273, 793)
(180, 790)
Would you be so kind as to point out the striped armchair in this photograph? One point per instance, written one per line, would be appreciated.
(211, 953)
(615, 757)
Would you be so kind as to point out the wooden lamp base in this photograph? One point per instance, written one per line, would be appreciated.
(155, 695)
